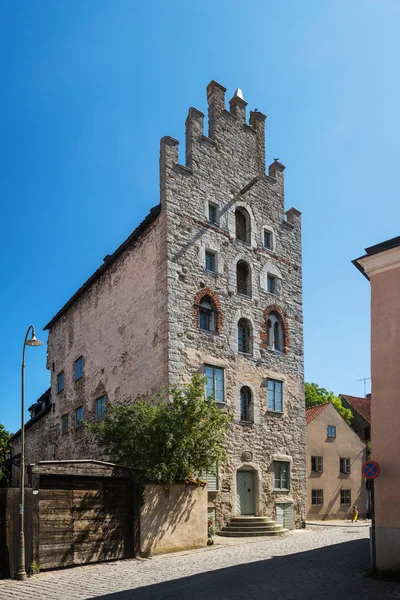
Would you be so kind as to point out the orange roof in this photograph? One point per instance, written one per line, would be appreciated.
(361, 405)
(314, 411)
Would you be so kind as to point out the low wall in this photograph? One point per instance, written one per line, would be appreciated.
(173, 518)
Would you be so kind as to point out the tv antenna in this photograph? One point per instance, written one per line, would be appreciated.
(365, 379)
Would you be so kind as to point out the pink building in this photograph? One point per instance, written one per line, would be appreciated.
(381, 266)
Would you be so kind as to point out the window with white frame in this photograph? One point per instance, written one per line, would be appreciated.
(281, 475)
(211, 261)
(317, 464)
(215, 384)
(275, 395)
(345, 496)
(344, 466)
(317, 497)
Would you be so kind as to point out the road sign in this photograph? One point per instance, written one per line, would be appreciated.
(370, 469)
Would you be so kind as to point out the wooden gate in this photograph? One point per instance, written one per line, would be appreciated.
(84, 519)
(284, 515)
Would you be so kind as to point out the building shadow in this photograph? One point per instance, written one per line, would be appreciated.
(331, 572)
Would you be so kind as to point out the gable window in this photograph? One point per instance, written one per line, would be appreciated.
(245, 404)
(267, 239)
(60, 381)
(275, 395)
(64, 423)
(79, 368)
(345, 496)
(281, 475)
(317, 464)
(207, 314)
(242, 225)
(244, 335)
(78, 417)
(100, 408)
(243, 278)
(275, 339)
(215, 385)
(212, 213)
(344, 465)
(317, 497)
(271, 284)
(331, 431)
(211, 262)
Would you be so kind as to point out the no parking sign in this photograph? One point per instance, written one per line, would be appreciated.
(370, 469)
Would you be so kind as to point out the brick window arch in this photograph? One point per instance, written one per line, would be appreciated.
(274, 330)
(206, 295)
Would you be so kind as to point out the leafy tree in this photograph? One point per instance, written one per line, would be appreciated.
(316, 395)
(168, 440)
(4, 447)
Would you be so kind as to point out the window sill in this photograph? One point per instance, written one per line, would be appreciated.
(247, 296)
(281, 491)
(60, 391)
(246, 423)
(276, 351)
(246, 354)
(212, 331)
(209, 272)
(275, 412)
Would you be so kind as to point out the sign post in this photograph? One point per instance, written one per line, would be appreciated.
(370, 471)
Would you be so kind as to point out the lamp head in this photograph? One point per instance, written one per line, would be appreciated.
(33, 341)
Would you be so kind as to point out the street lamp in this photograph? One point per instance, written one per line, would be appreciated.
(21, 571)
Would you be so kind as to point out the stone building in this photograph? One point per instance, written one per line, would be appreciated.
(210, 282)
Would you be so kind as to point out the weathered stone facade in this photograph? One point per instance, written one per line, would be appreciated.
(136, 324)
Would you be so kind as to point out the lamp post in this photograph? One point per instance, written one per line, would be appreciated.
(21, 571)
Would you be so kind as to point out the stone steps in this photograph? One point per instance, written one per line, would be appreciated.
(251, 527)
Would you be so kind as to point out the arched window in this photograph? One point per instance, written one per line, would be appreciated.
(246, 408)
(207, 314)
(243, 285)
(275, 339)
(242, 221)
(244, 336)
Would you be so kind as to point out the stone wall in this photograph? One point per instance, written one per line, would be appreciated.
(218, 169)
(173, 518)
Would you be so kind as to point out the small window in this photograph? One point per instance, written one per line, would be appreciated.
(207, 314)
(211, 262)
(78, 417)
(64, 423)
(79, 368)
(100, 408)
(317, 464)
(243, 285)
(245, 404)
(331, 431)
(242, 223)
(267, 239)
(275, 395)
(215, 385)
(60, 381)
(345, 496)
(271, 284)
(244, 336)
(317, 497)
(212, 213)
(344, 466)
(281, 475)
(275, 335)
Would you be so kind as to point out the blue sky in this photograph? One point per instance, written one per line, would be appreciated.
(88, 90)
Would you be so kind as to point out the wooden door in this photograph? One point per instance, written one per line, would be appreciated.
(245, 493)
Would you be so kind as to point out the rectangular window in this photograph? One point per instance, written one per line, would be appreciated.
(267, 239)
(317, 497)
(317, 464)
(212, 213)
(331, 431)
(271, 284)
(78, 417)
(344, 465)
(211, 263)
(79, 368)
(275, 395)
(215, 383)
(60, 381)
(281, 475)
(345, 496)
(64, 423)
(100, 408)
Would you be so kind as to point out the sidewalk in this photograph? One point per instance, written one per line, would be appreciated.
(341, 523)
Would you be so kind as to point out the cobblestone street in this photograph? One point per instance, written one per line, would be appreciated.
(322, 562)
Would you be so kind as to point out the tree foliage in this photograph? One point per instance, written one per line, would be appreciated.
(316, 395)
(168, 439)
(5, 446)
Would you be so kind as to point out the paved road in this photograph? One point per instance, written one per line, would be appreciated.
(320, 563)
